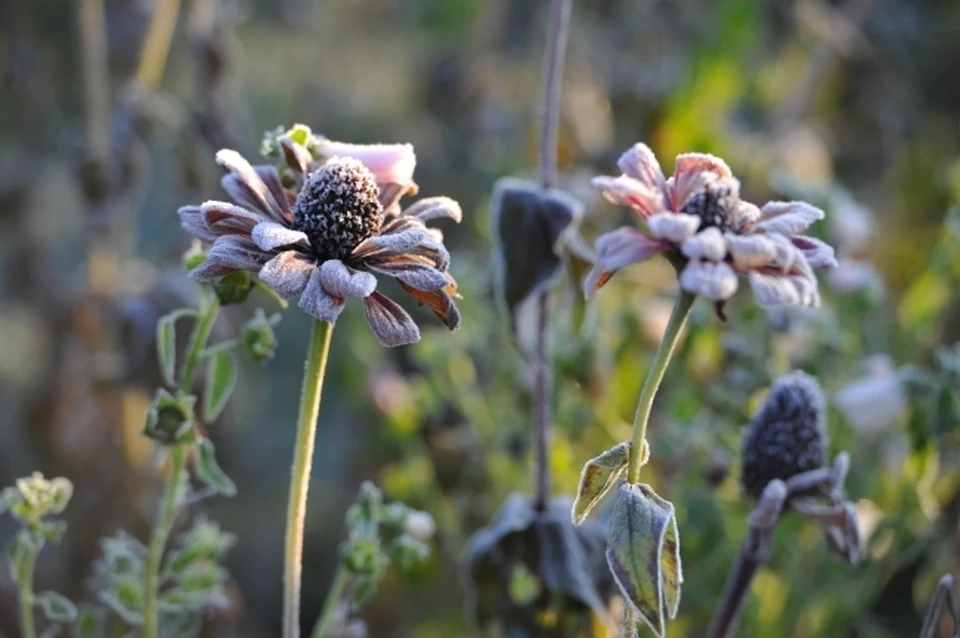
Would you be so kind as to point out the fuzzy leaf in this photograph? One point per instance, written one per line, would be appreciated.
(208, 470)
(167, 344)
(530, 226)
(221, 379)
(8, 496)
(643, 553)
(599, 475)
(89, 625)
(56, 607)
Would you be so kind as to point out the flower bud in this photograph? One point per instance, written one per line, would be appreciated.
(170, 419)
(194, 256)
(234, 288)
(788, 434)
(258, 339)
(419, 526)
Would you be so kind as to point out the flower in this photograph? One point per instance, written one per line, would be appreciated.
(873, 403)
(697, 219)
(787, 436)
(325, 240)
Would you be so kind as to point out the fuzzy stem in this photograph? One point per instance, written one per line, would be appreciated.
(334, 596)
(25, 583)
(681, 310)
(552, 80)
(541, 414)
(178, 455)
(316, 365)
(752, 556)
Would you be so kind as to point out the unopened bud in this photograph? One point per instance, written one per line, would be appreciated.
(259, 340)
(419, 526)
(170, 419)
(234, 288)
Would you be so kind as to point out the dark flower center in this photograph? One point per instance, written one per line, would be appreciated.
(715, 205)
(338, 207)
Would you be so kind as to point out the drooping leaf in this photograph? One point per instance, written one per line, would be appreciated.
(209, 471)
(221, 379)
(167, 344)
(599, 475)
(56, 607)
(529, 228)
(643, 553)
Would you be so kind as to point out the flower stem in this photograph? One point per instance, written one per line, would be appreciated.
(316, 365)
(153, 58)
(25, 582)
(681, 310)
(753, 553)
(334, 597)
(541, 415)
(178, 455)
(552, 80)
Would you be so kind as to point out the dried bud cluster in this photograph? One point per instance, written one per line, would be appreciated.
(787, 436)
(338, 207)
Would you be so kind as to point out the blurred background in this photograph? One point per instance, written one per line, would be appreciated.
(853, 105)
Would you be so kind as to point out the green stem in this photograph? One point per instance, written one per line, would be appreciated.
(681, 310)
(334, 596)
(25, 581)
(316, 365)
(178, 456)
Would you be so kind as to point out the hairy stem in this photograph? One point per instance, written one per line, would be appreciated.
(549, 132)
(334, 597)
(316, 365)
(753, 553)
(552, 80)
(25, 583)
(168, 507)
(678, 318)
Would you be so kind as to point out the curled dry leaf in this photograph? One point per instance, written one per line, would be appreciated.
(599, 474)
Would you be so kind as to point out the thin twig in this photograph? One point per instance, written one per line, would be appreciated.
(549, 133)
(153, 59)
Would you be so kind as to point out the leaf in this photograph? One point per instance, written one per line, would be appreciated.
(221, 379)
(643, 553)
(8, 497)
(944, 410)
(56, 607)
(167, 344)
(208, 470)
(599, 475)
(530, 225)
(89, 625)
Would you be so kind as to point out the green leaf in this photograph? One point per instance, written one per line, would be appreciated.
(221, 379)
(599, 475)
(944, 412)
(167, 344)
(56, 607)
(208, 470)
(8, 497)
(643, 553)
(89, 625)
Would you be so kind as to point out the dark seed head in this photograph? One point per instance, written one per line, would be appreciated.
(787, 436)
(338, 207)
(715, 205)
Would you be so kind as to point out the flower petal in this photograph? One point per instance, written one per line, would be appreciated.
(390, 244)
(716, 281)
(627, 191)
(297, 157)
(819, 254)
(317, 302)
(692, 172)
(389, 163)
(410, 269)
(618, 249)
(229, 253)
(214, 212)
(751, 251)
(707, 244)
(435, 208)
(389, 322)
(675, 227)
(246, 185)
(270, 236)
(287, 273)
(788, 218)
(440, 302)
(772, 289)
(342, 281)
(191, 220)
(641, 164)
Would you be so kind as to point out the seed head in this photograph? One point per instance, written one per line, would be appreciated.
(715, 205)
(787, 436)
(338, 207)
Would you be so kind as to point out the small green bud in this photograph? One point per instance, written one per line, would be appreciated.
(407, 552)
(194, 256)
(362, 555)
(170, 419)
(234, 288)
(299, 134)
(259, 340)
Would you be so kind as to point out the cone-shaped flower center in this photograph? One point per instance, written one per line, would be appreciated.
(787, 436)
(715, 205)
(338, 207)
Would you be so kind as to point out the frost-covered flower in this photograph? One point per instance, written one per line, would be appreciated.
(325, 239)
(875, 402)
(697, 219)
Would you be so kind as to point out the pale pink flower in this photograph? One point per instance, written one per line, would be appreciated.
(697, 220)
(326, 241)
